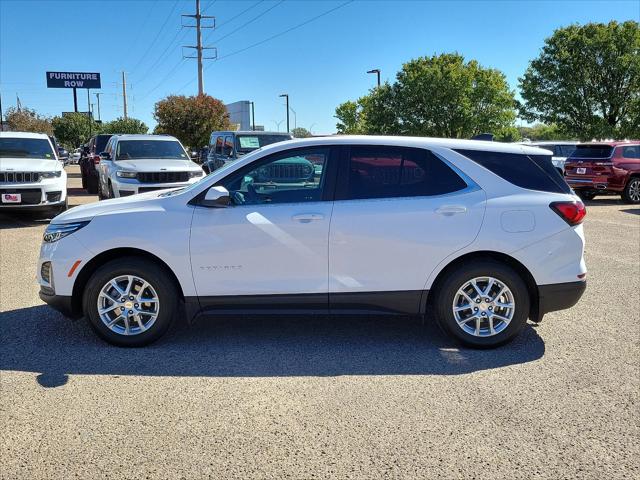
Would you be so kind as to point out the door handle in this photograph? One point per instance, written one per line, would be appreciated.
(307, 217)
(449, 210)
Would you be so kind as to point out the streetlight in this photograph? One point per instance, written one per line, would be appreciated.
(277, 123)
(295, 118)
(98, 97)
(377, 72)
(286, 95)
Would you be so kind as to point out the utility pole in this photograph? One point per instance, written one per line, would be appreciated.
(377, 72)
(198, 46)
(286, 95)
(124, 93)
(98, 97)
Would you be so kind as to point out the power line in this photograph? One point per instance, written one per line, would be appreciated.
(156, 37)
(249, 22)
(180, 30)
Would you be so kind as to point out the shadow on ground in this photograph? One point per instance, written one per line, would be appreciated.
(40, 340)
(22, 219)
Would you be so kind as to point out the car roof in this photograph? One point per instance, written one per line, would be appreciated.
(130, 136)
(249, 132)
(42, 136)
(419, 142)
(613, 143)
(553, 142)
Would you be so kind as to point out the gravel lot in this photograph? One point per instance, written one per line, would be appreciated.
(325, 398)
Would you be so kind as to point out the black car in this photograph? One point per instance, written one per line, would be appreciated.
(89, 158)
(227, 146)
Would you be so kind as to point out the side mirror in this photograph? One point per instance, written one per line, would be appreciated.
(217, 197)
(193, 155)
(105, 156)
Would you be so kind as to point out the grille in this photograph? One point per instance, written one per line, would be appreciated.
(19, 177)
(163, 177)
(283, 172)
(30, 196)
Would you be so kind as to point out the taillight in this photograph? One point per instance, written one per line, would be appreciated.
(96, 159)
(571, 212)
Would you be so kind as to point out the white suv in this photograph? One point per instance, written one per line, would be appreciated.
(31, 175)
(482, 234)
(132, 164)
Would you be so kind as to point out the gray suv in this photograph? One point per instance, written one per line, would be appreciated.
(227, 146)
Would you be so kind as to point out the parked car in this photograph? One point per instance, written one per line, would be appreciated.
(132, 164)
(63, 155)
(74, 157)
(225, 147)
(90, 159)
(561, 149)
(483, 234)
(31, 175)
(609, 168)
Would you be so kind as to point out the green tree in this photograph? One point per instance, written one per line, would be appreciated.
(300, 132)
(586, 80)
(190, 119)
(125, 125)
(74, 128)
(540, 131)
(26, 120)
(440, 96)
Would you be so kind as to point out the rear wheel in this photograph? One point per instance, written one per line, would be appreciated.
(584, 195)
(631, 192)
(130, 302)
(482, 304)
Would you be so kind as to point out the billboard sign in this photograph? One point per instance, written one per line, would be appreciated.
(73, 80)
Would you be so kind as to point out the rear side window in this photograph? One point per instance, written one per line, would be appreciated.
(533, 172)
(219, 145)
(632, 151)
(387, 172)
(592, 151)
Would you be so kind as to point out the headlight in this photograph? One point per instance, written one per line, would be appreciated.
(55, 232)
(196, 173)
(124, 174)
(51, 174)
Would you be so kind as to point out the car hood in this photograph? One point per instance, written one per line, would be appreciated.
(158, 165)
(29, 165)
(144, 202)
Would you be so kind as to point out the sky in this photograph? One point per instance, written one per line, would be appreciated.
(318, 52)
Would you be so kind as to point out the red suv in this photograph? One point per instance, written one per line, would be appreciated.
(605, 168)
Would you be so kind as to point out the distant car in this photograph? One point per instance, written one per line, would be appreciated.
(132, 164)
(605, 168)
(561, 149)
(90, 157)
(227, 146)
(63, 155)
(74, 157)
(31, 175)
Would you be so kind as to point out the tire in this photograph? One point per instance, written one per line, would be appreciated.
(631, 193)
(447, 292)
(92, 184)
(161, 287)
(586, 195)
(111, 195)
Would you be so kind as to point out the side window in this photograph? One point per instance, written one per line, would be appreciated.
(228, 146)
(632, 151)
(386, 172)
(284, 178)
(219, 145)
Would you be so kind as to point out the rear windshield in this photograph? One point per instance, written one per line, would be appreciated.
(148, 149)
(26, 148)
(533, 172)
(248, 143)
(592, 151)
(101, 142)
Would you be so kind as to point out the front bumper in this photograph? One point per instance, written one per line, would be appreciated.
(559, 296)
(61, 303)
(123, 188)
(46, 193)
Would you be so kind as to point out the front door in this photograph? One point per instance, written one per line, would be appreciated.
(272, 240)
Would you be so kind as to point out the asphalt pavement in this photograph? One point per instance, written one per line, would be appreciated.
(317, 397)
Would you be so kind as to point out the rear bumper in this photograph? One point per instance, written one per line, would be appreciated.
(559, 296)
(595, 184)
(61, 303)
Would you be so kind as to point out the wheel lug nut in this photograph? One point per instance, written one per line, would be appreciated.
(478, 300)
(130, 298)
(136, 305)
(475, 309)
(122, 299)
(490, 308)
(487, 300)
(483, 314)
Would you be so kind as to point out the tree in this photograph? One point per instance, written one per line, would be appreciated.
(74, 128)
(190, 119)
(440, 96)
(586, 80)
(540, 131)
(26, 120)
(300, 132)
(125, 125)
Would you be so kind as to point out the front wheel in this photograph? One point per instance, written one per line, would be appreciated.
(482, 304)
(631, 192)
(130, 302)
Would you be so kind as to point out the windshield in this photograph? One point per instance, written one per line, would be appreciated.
(249, 143)
(147, 149)
(26, 148)
(592, 151)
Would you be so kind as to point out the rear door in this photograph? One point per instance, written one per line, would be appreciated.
(398, 213)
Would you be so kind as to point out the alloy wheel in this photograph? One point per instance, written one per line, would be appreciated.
(634, 190)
